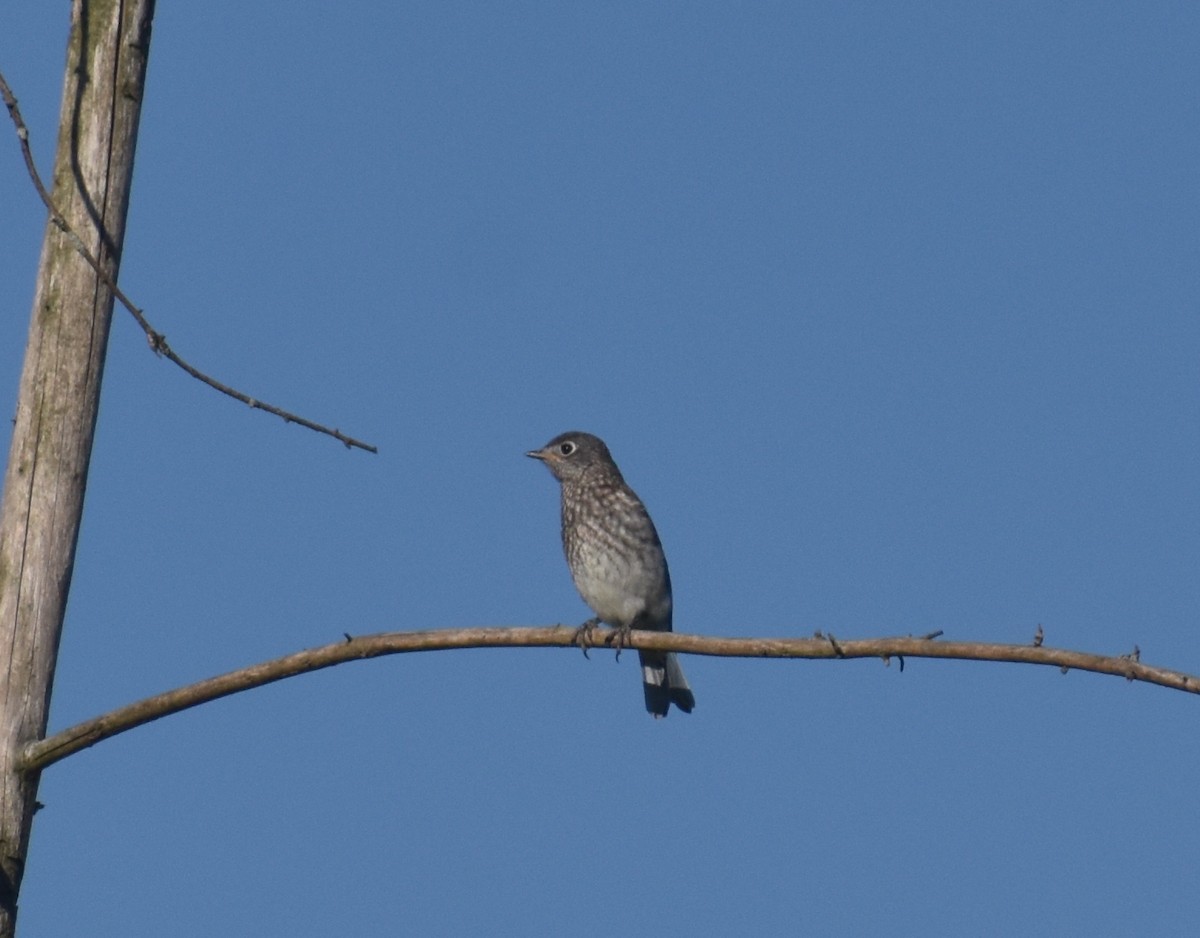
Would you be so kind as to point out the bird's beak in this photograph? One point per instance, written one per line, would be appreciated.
(537, 454)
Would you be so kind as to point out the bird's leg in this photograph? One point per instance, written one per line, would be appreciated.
(583, 636)
(620, 638)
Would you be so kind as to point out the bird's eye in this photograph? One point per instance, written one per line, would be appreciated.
(566, 448)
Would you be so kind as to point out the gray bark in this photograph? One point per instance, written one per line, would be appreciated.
(59, 392)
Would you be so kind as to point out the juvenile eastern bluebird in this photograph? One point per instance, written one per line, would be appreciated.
(616, 559)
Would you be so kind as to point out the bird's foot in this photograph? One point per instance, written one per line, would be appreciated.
(620, 638)
(583, 636)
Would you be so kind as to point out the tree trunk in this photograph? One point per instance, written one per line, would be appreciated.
(60, 386)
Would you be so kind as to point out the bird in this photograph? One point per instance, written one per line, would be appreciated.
(616, 560)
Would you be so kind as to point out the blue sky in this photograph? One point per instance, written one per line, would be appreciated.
(891, 315)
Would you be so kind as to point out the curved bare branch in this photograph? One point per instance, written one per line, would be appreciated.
(158, 341)
(45, 752)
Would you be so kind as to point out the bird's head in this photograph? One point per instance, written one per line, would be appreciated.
(571, 455)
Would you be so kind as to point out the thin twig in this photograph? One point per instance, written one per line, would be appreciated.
(38, 755)
(157, 341)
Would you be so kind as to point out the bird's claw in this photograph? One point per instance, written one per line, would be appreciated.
(583, 636)
(620, 639)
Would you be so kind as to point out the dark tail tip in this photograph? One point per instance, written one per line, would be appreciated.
(660, 698)
(664, 684)
(683, 698)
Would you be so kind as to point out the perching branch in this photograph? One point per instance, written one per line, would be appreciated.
(47, 751)
(157, 341)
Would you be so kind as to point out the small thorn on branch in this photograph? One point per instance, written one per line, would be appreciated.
(900, 658)
(837, 649)
(349, 638)
(1132, 657)
(932, 635)
(1038, 637)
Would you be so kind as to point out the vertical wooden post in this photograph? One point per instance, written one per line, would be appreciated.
(60, 387)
